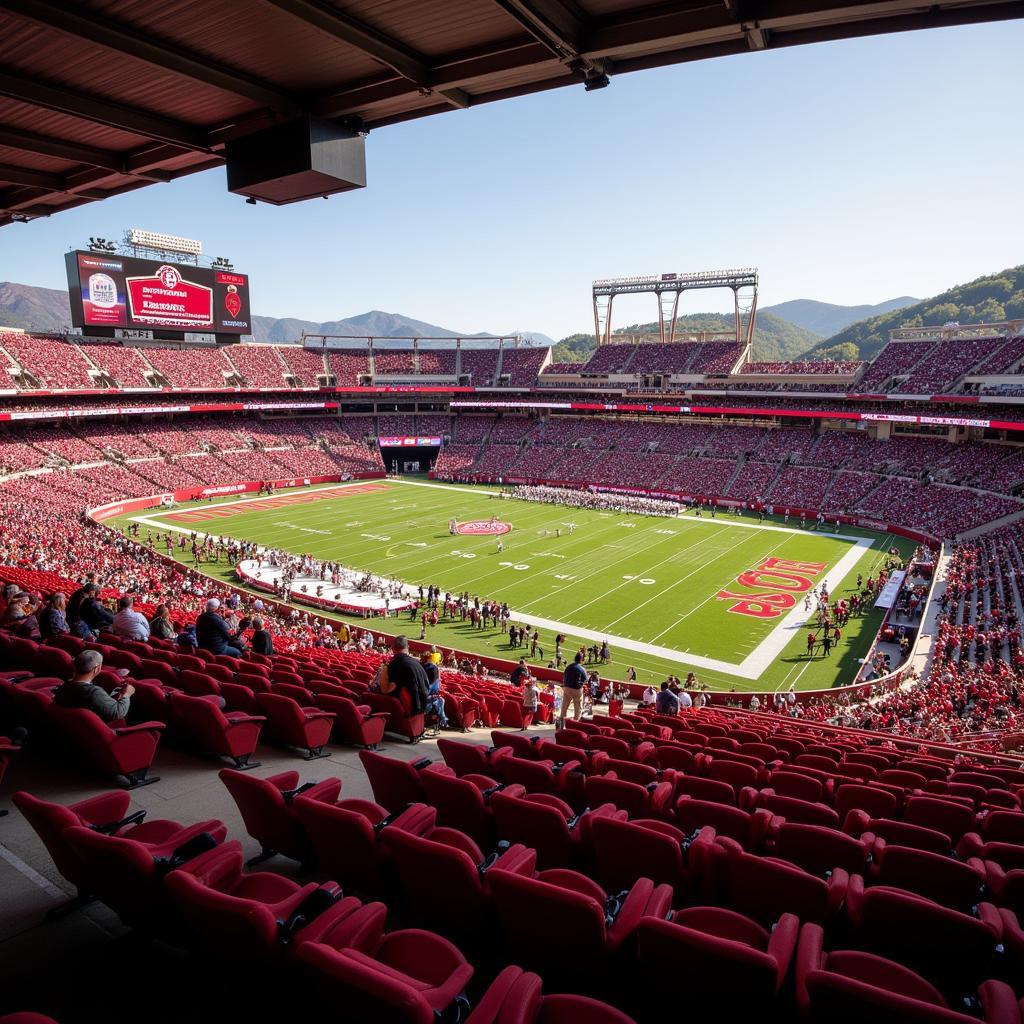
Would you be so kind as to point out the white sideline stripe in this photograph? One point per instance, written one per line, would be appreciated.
(31, 874)
(752, 667)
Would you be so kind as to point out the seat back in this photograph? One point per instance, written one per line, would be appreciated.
(235, 927)
(878, 803)
(620, 846)
(548, 924)
(818, 849)
(942, 815)
(395, 783)
(460, 805)
(440, 880)
(539, 825)
(268, 817)
(464, 758)
(49, 821)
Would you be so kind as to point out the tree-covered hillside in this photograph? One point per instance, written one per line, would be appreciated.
(992, 298)
(774, 338)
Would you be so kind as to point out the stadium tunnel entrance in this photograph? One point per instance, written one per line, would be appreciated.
(399, 460)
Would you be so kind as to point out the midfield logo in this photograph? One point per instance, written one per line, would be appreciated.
(782, 581)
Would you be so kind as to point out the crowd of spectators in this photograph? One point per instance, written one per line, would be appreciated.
(843, 368)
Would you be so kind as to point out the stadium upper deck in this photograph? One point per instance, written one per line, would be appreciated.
(974, 360)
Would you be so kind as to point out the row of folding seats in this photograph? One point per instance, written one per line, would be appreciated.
(884, 852)
(188, 885)
(748, 900)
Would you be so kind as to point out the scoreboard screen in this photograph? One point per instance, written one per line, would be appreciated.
(123, 291)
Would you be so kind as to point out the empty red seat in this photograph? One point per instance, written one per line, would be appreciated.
(514, 997)
(791, 808)
(106, 813)
(445, 877)
(473, 758)
(230, 734)
(954, 950)
(126, 871)
(269, 815)
(305, 728)
(850, 987)
(403, 977)
(750, 830)
(875, 801)
(900, 833)
(547, 825)
(462, 803)
(953, 883)
(249, 917)
(764, 887)
(563, 780)
(663, 852)
(651, 801)
(565, 923)
(396, 783)
(355, 724)
(399, 721)
(953, 819)
(717, 960)
(818, 849)
(345, 836)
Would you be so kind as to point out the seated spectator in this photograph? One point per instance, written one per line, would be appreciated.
(212, 632)
(262, 642)
(667, 703)
(20, 616)
(435, 702)
(81, 692)
(649, 697)
(92, 612)
(160, 626)
(186, 639)
(129, 624)
(405, 677)
(5, 597)
(685, 700)
(52, 620)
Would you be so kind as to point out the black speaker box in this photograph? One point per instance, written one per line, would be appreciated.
(302, 159)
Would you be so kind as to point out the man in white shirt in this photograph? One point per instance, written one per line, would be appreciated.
(685, 700)
(128, 623)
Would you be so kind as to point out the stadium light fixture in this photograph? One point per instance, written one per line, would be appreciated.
(595, 80)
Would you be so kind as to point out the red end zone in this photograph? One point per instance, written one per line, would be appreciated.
(205, 515)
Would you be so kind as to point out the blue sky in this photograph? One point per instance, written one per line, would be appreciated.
(848, 172)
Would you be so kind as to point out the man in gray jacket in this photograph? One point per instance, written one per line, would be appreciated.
(81, 692)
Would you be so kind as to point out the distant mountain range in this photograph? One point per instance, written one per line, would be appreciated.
(988, 299)
(826, 319)
(47, 309)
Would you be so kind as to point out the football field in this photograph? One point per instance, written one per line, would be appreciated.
(721, 597)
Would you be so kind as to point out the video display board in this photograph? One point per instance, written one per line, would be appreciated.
(108, 290)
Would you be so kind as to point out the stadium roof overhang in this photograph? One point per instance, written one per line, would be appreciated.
(100, 97)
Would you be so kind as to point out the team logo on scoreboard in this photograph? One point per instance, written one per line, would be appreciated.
(232, 301)
(483, 527)
(168, 277)
(779, 580)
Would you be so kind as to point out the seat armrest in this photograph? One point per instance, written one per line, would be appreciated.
(126, 730)
(838, 883)
(782, 945)
(112, 827)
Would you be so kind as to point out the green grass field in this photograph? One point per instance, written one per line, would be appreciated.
(650, 585)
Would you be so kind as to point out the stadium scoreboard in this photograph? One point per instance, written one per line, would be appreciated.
(108, 290)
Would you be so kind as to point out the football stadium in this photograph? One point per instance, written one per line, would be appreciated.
(369, 670)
